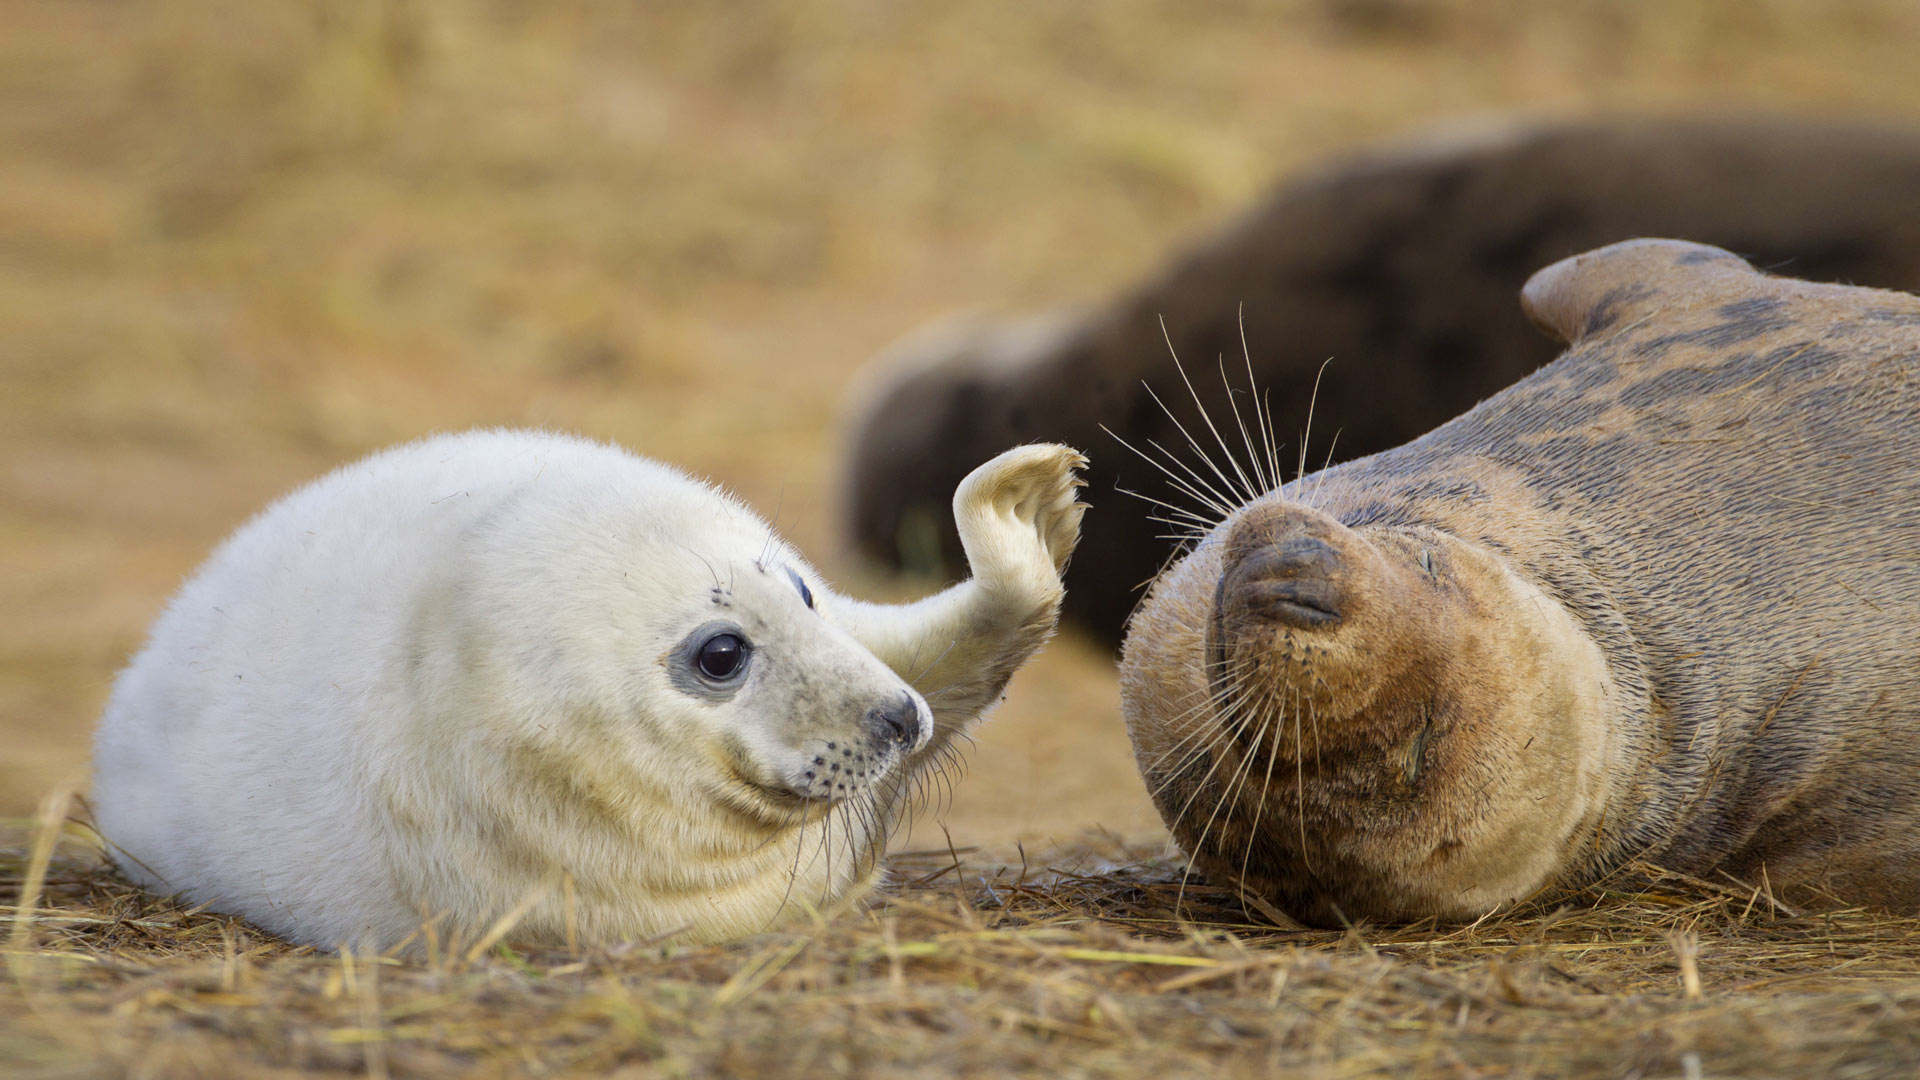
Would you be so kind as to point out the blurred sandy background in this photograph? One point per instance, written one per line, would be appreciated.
(242, 241)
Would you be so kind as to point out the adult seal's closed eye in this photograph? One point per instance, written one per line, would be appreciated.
(1659, 600)
(520, 674)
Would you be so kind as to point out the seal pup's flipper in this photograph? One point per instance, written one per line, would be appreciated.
(1019, 519)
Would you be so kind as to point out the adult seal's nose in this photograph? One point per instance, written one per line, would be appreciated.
(894, 724)
(1291, 582)
(1285, 568)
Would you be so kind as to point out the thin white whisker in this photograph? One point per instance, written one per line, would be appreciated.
(1262, 418)
(1191, 441)
(1220, 509)
(1312, 401)
(1228, 791)
(1171, 507)
(1320, 478)
(1274, 725)
(1273, 444)
(1300, 790)
(1230, 495)
(1246, 439)
(1233, 724)
(1199, 489)
(1246, 490)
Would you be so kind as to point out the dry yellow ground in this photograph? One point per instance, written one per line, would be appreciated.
(242, 241)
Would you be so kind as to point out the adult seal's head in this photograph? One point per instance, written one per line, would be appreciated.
(514, 675)
(1285, 686)
(1654, 602)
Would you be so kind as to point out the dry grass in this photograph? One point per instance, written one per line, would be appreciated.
(242, 241)
(1092, 960)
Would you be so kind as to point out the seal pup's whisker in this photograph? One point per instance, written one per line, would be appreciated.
(773, 528)
(715, 574)
(851, 826)
(951, 762)
(793, 870)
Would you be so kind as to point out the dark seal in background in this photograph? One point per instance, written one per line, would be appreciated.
(1401, 265)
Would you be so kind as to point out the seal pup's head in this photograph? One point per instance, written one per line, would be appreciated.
(1364, 723)
(657, 694)
(797, 713)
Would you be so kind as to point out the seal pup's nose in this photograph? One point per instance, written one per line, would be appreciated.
(894, 724)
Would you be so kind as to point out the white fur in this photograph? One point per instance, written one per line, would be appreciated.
(441, 683)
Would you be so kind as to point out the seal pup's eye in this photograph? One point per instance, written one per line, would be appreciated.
(721, 656)
(712, 662)
(806, 594)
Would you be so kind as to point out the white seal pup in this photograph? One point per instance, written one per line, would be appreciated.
(516, 672)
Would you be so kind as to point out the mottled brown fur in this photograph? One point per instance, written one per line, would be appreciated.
(1659, 600)
(1401, 266)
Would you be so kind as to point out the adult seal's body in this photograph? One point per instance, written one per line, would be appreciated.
(1400, 265)
(1660, 600)
(512, 674)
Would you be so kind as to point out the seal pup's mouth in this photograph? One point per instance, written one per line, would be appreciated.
(835, 772)
(779, 794)
(776, 806)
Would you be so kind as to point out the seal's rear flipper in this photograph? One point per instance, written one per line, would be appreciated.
(1591, 293)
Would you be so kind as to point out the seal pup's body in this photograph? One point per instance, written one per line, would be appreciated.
(1660, 601)
(1400, 263)
(440, 681)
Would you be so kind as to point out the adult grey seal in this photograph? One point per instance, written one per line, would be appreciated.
(1400, 265)
(1659, 600)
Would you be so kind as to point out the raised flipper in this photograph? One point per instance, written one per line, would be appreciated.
(1018, 519)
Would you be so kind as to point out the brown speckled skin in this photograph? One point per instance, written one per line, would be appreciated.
(1401, 265)
(1718, 484)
